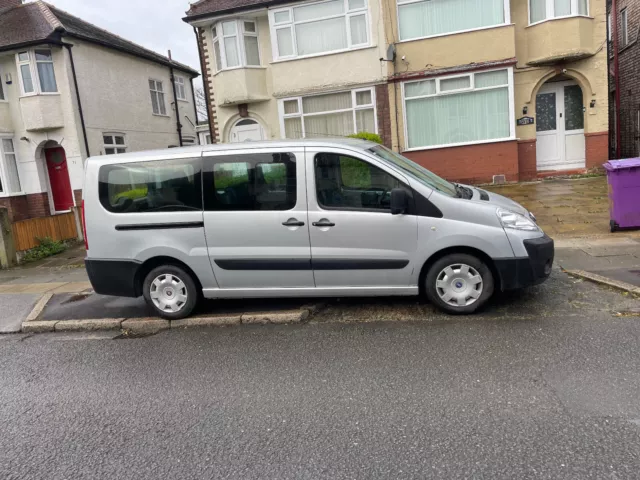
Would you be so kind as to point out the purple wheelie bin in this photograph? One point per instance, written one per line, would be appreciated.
(624, 192)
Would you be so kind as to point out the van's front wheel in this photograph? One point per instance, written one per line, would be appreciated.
(459, 283)
(170, 292)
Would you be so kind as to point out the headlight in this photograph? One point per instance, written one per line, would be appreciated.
(516, 221)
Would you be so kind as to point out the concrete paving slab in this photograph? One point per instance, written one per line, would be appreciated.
(14, 309)
(626, 275)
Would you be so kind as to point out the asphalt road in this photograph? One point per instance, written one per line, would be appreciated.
(546, 385)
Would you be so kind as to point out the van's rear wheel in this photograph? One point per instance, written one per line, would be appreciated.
(170, 292)
(459, 283)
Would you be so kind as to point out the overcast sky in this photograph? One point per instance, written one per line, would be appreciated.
(154, 24)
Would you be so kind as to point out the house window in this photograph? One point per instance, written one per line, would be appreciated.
(319, 28)
(462, 109)
(235, 44)
(181, 93)
(157, 97)
(428, 18)
(624, 28)
(37, 74)
(9, 179)
(609, 32)
(329, 115)
(540, 10)
(114, 143)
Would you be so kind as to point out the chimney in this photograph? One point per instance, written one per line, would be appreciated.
(7, 4)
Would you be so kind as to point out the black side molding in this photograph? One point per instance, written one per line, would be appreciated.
(160, 226)
(262, 264)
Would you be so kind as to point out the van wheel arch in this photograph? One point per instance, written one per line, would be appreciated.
(154, 262)
(450, 250)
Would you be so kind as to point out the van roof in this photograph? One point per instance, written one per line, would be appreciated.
(198, 149)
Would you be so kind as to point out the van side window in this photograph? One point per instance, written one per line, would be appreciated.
(348, 183)
(158, 186)
(261, 181)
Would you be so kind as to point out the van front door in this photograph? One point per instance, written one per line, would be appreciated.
(256, 221)
(356, 243)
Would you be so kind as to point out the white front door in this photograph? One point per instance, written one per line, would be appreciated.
(560, 127)
(246, 130)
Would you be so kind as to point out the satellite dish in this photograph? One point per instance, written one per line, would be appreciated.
(391, 53)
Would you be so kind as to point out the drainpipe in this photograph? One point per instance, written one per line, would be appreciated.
(75, 83)
(616, 74)
(205, 85)
(195, 110)
(175, 101)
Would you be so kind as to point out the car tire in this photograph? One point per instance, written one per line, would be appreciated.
(459, 284)
(170, 292)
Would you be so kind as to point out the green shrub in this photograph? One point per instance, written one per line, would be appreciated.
(46, 248)
(372, 137)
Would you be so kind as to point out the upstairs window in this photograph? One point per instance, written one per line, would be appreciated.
(540, 10)
(235, 44)
(114, 143)
(429, 18)
(157, 97)
(37, 74)
(319, 28)
(181, 92)
(624, 28)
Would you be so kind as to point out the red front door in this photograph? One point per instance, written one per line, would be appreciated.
(59, 179)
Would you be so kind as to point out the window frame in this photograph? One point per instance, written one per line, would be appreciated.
(115, 146)
(347, 14)
(624, 28)
(33, 68)
(219, 37)
(156, 92)
(3, 166)
(550, 7)
(354, 107)
(511, 93)
(181, 84)
(399, 3)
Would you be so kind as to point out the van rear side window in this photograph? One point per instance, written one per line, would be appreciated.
(159, 186)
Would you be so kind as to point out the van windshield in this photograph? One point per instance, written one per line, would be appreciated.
(421, 174)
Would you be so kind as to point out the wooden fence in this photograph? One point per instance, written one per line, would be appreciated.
(58, 227)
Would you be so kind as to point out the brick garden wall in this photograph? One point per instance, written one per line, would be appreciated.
(27, 206)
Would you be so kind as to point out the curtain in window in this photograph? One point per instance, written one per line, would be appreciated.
(434, 17)
(326, 103)
(47, 77)
(11, 167)
(285, 42)
(329, 125)
(491, 79)
(251, 50)
(365, 121)
(318, 10)
(538, 10)
(321, 36)
(293, 127)
(216, 48)
(583, 8)
(466, 117)
(358, 27)
(458, 83)
(231, 52)
(27, 81)
(562, 8)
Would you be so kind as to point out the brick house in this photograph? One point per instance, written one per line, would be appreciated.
(69, 90)
(625, 126)
(470, 90)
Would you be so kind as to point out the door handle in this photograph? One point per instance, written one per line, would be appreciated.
(293, 223)
(323, 223)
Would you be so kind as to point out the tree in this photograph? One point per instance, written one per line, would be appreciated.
(201, 104)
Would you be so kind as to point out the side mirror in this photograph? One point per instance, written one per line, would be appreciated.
(399, 201)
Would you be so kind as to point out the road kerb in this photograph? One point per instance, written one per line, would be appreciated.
(209, 321)
(39, 307)
(145, 325)
(594, 277)
(38, 327)
(263, 318)
(88, 325)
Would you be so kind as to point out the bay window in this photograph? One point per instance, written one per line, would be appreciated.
(235, 44)
(37, 74)
(9, 178)
(329, 115)
(319, 28)
(428, 18)
(540, 10)
(461, 109)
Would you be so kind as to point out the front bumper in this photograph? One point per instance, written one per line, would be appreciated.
(517, 273)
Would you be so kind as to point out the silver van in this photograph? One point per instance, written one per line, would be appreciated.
(306, 218)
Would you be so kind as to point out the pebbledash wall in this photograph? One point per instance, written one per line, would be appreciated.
(35, 200)
(115, 97)
(535, 54)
